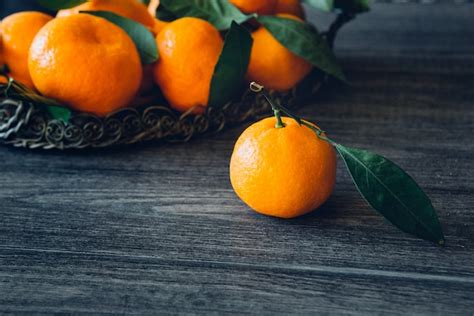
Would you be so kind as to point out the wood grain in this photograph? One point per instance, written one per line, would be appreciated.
(158, 230)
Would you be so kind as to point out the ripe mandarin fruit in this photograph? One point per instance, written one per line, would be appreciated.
(85, 62)
(132, 9)
(18, 31)
(283, 172)
(264, 7)
(158, 26)
(272, 64)
(292, 7)
(189, 50)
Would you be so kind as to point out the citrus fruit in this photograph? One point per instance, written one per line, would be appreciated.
(132, 9)
(264, 7)
(85, 62)
(189, 49)
(283, 172)
(18, 31)
(272, 64)
(158, 26)
(293, 7)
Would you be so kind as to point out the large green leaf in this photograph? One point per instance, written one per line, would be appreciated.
(60, 4)
(303, 40)
(220, 13)
(393, 193)
(324, 5)
(140, 35)
(231, 67)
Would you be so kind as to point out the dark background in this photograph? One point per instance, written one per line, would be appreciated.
(8, 6)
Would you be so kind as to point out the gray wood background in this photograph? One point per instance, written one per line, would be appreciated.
(158, 230)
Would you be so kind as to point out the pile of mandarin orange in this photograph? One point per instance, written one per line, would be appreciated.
(91, 65)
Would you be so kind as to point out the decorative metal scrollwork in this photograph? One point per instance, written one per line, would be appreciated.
(26, 124)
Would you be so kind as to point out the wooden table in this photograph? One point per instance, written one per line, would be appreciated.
(158, 230)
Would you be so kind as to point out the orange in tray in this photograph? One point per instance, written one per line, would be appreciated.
(189, 49)
(18, 31)
(264, 7)
(85, 62)
(282, 171)
(132, 9)
(272, 64)
(293, 7)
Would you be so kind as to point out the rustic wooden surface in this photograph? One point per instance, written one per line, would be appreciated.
(158, 229)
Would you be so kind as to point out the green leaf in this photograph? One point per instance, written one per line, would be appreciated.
(220, 13)
(231, 66)
(393, 193)
(141, 36)
(303, 40)
(60, 4)
(59, 113)
(324, 5)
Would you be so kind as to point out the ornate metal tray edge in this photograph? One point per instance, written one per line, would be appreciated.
(26, 124)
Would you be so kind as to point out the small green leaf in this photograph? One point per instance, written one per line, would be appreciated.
(140, 35)
(324, 5)
(60, 4)
(231, 66)
(219, 13)
(393, 193)
(303, 40)
(59, 113)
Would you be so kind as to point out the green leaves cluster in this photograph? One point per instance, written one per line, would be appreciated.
(219, 13)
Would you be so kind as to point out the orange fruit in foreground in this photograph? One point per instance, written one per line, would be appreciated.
(272, 64)
(86, 63)
(282, 172)
(264, 7)
(189, 49)
(18, 31)
(293, 7)
(132, 9)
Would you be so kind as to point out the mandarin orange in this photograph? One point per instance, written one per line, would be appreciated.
(85, 62)
(18, 31)
(132, 9)
(272, 64)
(293, 7)
(263, 7)
(189, 49)
(283, 172)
